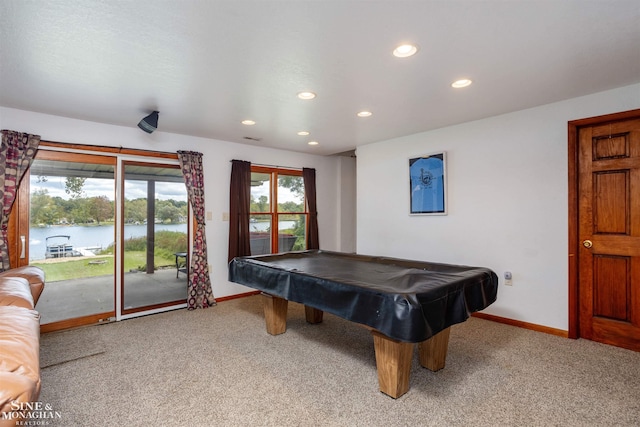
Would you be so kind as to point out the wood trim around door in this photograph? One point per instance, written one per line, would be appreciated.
(573, 128)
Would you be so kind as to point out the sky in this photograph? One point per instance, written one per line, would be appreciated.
(284, 194)
(55, 186)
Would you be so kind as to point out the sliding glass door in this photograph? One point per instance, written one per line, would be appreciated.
(110, 231)
(155, 236)
(71, 234)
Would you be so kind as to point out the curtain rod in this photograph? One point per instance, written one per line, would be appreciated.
(271, 166)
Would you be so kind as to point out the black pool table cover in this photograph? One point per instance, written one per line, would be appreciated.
(405, 300)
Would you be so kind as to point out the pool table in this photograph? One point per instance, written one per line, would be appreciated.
(402, 302)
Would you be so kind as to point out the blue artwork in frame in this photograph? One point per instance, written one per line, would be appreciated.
(428, 180)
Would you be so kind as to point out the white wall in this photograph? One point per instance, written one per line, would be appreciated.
(347, 202)
(507, 201)
(216, 158)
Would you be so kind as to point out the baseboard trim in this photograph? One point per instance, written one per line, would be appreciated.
(230, 297)
(521, 324)
(485, 316)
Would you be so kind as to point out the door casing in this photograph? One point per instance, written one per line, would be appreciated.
(574, 195)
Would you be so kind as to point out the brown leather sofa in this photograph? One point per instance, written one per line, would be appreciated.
(20, 289)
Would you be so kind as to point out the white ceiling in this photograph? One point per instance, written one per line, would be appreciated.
(207, 65)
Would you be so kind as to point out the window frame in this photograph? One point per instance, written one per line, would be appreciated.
(274, 173)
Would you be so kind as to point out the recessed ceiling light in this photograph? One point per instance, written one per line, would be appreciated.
(313, 142)
(364, 114)
(306, 95)
(461, 83)
(303, 133)
(248, 122)
(405, 50)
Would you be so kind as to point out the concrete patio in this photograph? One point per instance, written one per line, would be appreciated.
(68, 299)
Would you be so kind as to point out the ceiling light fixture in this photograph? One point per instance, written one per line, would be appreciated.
(313, 142)
(306, 95)
(248, 122)
(461, 83)
(303, 133)
(149, 123)
(405, 50)
(365, 114)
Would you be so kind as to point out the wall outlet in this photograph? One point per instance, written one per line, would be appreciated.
(508, 278)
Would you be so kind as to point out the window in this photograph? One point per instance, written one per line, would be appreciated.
(278, 208)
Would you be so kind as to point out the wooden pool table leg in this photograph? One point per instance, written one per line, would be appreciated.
(313, 315)
(275, 313)
(433, 352)
(393, 360)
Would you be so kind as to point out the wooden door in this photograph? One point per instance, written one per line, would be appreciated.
(609, 232)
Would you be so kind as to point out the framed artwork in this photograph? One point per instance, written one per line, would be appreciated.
(428, 184)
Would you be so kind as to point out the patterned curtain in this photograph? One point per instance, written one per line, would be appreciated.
(16, 155)
(200, 294)
(309, 178)
(239, 205)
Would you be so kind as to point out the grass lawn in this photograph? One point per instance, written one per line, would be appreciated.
(79, 268)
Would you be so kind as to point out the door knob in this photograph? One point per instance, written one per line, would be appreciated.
(587, 244)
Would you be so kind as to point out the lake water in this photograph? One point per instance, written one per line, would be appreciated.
(83, 237)
(103, 235)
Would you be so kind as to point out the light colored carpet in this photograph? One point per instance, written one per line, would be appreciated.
(67, 346)
(219, 367)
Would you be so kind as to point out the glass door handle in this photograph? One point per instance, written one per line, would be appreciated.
(23, 247)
